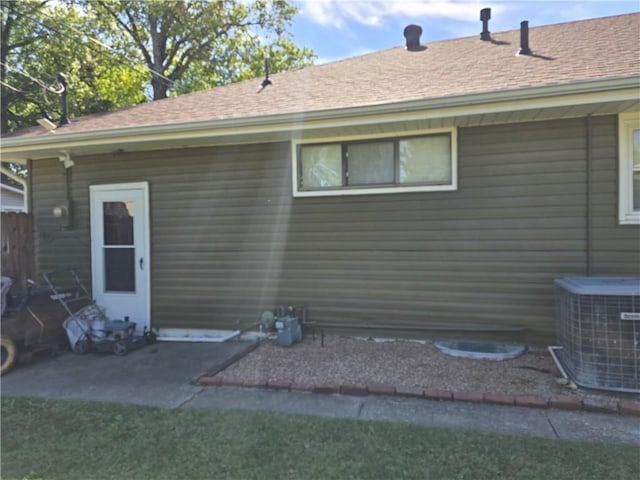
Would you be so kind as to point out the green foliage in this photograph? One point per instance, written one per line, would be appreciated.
(56, 439)
(194, 44)
(243, 62)
(108, 50)
(42, 38)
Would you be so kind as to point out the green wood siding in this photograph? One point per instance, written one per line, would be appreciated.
(228, 240)
(615, 248)
(56, 247)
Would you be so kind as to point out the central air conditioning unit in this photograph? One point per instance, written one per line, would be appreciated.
(598, 329)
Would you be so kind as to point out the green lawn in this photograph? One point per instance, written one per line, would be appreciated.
(55, 439)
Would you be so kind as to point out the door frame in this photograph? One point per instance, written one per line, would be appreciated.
(146, 242)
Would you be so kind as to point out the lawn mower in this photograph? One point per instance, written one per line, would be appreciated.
(88, 328)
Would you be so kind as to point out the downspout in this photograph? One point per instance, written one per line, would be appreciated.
(589, 146)
(67, 192)
(65, 212)
(33, 264)
(28, 194)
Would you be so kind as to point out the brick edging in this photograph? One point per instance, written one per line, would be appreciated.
(560, 402)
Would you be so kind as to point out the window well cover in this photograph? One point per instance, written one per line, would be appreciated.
(481, 350)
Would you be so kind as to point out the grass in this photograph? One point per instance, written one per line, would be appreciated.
(57, 439)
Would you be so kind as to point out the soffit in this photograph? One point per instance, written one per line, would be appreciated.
(396, 123)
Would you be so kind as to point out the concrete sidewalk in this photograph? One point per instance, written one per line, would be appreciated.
(549, 423)
(163, 375)
(159, 375)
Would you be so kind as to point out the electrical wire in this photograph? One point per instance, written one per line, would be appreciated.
(11, 87)
(93, 40)
(33, 79)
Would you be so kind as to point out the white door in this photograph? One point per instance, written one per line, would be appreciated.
(120, 251)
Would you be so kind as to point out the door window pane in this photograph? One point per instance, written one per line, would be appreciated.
(371, 163)
(118, 223)
(426, 159)
(119, 268)
(321, 166)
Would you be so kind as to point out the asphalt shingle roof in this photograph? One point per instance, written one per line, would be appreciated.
(562, 54)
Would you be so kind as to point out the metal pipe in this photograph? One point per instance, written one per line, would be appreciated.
(485, 16)
(524, 39)
(589, 147)
(62, 80)
(251, 326)
(557, 361)
(477, 329)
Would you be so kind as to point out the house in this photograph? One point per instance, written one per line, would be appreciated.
(12, 197)
(433, 189)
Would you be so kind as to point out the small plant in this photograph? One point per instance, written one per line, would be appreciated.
(32, 476)
(118, 426)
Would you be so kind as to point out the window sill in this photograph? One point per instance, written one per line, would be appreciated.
(339, 192)
(630, 219)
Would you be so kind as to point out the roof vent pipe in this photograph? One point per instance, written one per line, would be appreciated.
(266, 82)
(62, 80)
(524, 39)
(412, 34)
(485, 16)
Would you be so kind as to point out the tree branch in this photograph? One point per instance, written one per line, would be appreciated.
(132, 31)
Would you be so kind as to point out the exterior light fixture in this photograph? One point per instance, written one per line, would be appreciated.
(65, 158)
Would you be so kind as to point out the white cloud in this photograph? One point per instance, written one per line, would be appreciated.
(347, 54)
(339, 13)
(374, 12)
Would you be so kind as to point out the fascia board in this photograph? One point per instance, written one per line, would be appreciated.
(614, 89)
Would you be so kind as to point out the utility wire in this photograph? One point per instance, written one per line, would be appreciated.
(94, 40)
(33, 79)
(11, 87)
(64, 34)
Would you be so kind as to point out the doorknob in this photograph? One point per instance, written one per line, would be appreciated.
(141, 262)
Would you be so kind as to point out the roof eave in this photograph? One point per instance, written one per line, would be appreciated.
(618, 88)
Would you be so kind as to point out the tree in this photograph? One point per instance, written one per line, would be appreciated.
(40, 39)
(114, 53)
(195, 44)
(14, 38)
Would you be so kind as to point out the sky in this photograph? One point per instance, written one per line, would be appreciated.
(337, 29)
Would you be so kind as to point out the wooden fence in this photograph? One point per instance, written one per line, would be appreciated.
(16, 230)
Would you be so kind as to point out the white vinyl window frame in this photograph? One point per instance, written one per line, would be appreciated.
(374, 189)
(627, 123)
(17, 201)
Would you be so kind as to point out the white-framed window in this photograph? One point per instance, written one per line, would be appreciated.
(629, 168)
(415, 162)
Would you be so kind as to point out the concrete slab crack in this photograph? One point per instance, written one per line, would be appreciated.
(553, 428)
(189, 398)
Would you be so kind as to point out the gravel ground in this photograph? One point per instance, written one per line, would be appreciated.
(359, 361)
